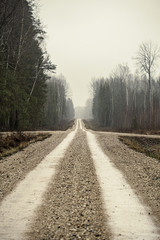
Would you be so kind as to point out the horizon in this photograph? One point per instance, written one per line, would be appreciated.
(88, 39)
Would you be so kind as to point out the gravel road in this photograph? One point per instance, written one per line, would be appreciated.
(73, 206)
(15, 167)
(140, 171)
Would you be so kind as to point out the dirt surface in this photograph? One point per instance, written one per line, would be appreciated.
(140, 171)
(149, 146)
(91, 124)
(15, 167)
(10, 144)
(72, 207)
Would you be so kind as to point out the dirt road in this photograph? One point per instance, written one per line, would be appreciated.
(68, 188)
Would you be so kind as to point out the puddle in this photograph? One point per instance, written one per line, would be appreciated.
(127, 217)
(16, 210)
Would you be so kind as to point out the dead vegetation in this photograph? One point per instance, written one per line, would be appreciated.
(15, 142)
(62, 126)
(146, 145)
(91, 124)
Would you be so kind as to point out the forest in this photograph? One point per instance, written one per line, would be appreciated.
(127, 101)
(31, 97)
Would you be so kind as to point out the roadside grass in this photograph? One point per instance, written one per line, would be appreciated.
(62, 126)
(15, 142)
(91, 124)
(146, 145)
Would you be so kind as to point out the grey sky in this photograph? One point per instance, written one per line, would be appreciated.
(89, 38)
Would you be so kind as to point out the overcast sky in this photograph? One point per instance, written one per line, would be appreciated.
(88, 38)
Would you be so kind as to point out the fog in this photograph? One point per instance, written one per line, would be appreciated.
(88, 39)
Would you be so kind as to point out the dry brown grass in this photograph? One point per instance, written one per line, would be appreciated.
(17, 141)
(91, 124)
(148, 146)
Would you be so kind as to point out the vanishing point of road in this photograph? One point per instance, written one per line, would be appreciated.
(77, 192)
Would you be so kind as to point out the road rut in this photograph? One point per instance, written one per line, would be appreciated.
(74, 205)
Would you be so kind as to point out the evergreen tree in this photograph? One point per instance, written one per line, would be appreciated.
(23, 66)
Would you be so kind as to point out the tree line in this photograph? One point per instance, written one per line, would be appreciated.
(24, 68)
(126, 101)
(58, 108)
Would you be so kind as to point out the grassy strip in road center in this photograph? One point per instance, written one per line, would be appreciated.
(146, 145)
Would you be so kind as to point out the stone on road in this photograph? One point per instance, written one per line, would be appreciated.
(73, 207)
(76, 192)
(16, 210)
(128, 218)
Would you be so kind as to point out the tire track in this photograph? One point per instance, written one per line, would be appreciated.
(72, 208)
(128, 218)
(76, 204)
(16, 210)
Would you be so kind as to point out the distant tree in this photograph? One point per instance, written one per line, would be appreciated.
(79, 112)
(88, 109)
(121, 77)
(24, 66)
(110, 107)
(146, 59)
(70, 113)
(57, 107)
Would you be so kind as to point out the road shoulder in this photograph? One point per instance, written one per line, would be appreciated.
(140, 171)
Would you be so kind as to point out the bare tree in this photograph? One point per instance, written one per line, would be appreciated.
(122, 73)
(146, 59)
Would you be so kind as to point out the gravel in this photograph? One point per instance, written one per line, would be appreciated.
(15, 167)
(140, 171)
(72, 206)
